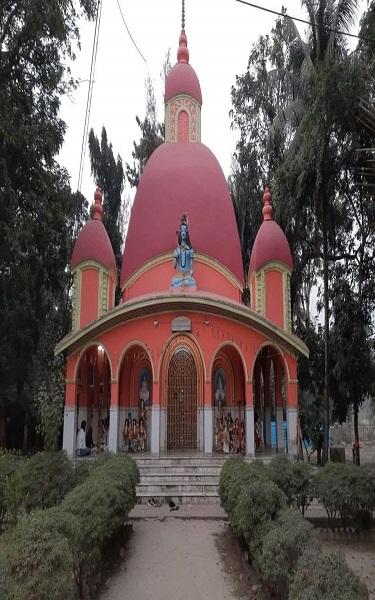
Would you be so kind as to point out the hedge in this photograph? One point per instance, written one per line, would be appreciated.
(60, 549)
(295, 479)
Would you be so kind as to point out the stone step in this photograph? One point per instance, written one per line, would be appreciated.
(179, 471)
(179, 498)
(180, 461)
(176, 487)
(153, 477)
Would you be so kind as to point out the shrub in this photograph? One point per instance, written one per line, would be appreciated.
(9, 464)
(282, 546)
(37, 561)
(235, 474)
(345, 490)
(294, 479)
(325, 575)
(258, 505)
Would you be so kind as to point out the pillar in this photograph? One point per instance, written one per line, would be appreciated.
(279, 414)
(113, 433)
(267, 404)
(155, 419)
(208, 419)
(70, 419)
(291, 418)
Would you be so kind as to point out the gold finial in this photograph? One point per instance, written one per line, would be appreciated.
(183, 15)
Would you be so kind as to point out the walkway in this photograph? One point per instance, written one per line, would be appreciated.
(172, 558)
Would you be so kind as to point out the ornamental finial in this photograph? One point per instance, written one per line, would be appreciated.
(183, 52)
(267, 208)
(98, 209)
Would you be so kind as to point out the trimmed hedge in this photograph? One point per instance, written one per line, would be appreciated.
(326, 575)
(57, 553)
(283, 544)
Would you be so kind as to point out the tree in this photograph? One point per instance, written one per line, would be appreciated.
(109, 174)
(38, 212)
(152, 136)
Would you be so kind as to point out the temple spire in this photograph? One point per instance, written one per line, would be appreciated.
(267, 208)
(183, 52)
(98, 209)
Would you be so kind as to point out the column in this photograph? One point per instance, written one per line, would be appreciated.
(208, 429)
(279, 429)
(278, 370)
(291, 424)
(155, 430)
(249, 423)
(70, 420)
(267, 404)
(114, 418)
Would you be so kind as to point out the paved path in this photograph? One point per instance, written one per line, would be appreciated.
(172, 559)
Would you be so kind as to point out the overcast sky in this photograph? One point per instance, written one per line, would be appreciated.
(220, 35)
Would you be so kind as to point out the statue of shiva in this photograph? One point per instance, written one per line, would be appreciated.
(183, 257)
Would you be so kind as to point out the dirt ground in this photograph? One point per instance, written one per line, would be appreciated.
(175, 559)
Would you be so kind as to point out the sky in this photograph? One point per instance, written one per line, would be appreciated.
(220, 36)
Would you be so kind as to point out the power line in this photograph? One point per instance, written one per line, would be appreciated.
(130, 35)
(89, 93)
(281, 14)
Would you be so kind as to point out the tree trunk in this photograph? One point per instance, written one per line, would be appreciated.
(326, 345)
(356, 453)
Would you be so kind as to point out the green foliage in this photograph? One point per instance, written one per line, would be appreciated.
(259, 503)
(294, 479)
(282, 546)
(345, 490)
(325, 575)
(9, 465)
(235, 474)
(50, 403)
(39, 560)
(50, 554)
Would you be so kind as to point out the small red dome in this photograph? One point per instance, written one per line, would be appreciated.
(270, 243)
(181, 178)
(93, 242)
(182, 79)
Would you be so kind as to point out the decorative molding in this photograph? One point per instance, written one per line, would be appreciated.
(260, 293)
(76, 308)
(172, 110)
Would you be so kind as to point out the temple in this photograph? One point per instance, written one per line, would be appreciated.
(182, 363)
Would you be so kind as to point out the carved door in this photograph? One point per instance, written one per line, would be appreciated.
(182, 401)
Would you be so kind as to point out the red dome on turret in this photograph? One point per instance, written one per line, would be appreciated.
(182, 78)
(270, 243)
(179, 178)
(93, 242)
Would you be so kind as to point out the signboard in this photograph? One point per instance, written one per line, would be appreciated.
(181, 324)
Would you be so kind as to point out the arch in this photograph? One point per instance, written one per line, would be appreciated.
(172, 342)
(182, 400)
(126, 349)
(83, 352)
(183, 126)
(129, 372)
(280, 353)
(235, 346)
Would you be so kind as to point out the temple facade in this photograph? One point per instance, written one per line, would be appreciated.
(182, 363)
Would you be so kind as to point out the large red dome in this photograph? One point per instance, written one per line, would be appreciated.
(182, 79)
(93, 243)
(182, 177)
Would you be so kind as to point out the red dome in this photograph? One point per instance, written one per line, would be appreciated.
(93, 243)
(182, 79)
(178, 178)
(270, 245)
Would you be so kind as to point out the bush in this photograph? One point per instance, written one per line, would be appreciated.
(235, 474)
(345, 490)
(37, 561)
(282, 546)
(69, 539)
(294, 479)
(325, 575)
(259, 504)
(9, 464)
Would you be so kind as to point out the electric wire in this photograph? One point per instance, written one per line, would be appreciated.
(286, 16)
(127, 29)
(89, 92)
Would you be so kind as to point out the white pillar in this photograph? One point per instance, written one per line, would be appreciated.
(279, 429)
(291, 424)
(250, 441)
(267, 427)
(200, 430)
(155, 430)
(113, 429)
(70, 430)
(208, 430)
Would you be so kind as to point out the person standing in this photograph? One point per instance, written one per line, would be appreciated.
(81, 441)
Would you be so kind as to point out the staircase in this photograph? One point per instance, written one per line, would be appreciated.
(183, 478)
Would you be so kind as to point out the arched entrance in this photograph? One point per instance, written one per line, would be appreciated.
(182, 386)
